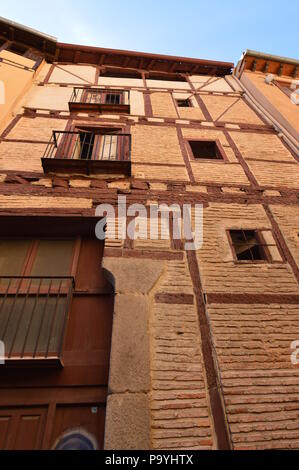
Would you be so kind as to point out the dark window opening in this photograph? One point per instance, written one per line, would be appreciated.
(112, 98)
(247, 245)
(205, 149)
(86, 145)
(184, 103)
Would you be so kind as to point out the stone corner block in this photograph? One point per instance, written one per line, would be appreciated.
(128, 422)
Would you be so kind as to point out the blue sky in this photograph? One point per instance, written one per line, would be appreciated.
(216, 30)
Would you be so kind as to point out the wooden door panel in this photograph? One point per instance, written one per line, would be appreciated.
(88, 418)
(90, 323)
(22, 428)
(4, 428)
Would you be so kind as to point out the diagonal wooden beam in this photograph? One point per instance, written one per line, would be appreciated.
(224, 112)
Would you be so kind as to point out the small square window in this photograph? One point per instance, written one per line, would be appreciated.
(247, 245)
(184, 103)
(205, 149)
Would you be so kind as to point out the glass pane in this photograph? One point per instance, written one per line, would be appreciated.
(12, 256)
(53, 258)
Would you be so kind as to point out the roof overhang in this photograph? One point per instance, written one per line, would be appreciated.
(29, 37)
(72, 53)
(267, 63)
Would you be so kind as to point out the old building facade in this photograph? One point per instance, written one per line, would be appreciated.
(143, 344)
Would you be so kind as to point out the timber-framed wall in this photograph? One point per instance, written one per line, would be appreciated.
(200, 355)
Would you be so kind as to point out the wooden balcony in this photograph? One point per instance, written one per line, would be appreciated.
(88, 153)
(100, 100)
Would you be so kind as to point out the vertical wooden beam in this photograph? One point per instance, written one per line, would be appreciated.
(210, 363)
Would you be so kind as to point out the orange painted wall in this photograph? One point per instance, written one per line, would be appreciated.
(15, 82)
(277, 98)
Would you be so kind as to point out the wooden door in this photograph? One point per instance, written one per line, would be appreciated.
(22, 428)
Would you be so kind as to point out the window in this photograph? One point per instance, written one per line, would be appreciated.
(99, 145)
(99, 96)
(184, 103)
(247, 245)
(35, 292)
(84, 147)
(206, 149)
(113, 98)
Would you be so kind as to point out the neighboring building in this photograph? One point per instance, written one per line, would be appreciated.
(142, 344)
(272, 85)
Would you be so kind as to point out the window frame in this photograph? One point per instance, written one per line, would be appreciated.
(98, 131)
(261, 243)
(30, 258)
(184, 100)
(220, 149)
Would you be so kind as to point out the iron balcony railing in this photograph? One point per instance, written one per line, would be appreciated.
(100, 99)
(88, 152)
(33, 316)
(89, 146)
